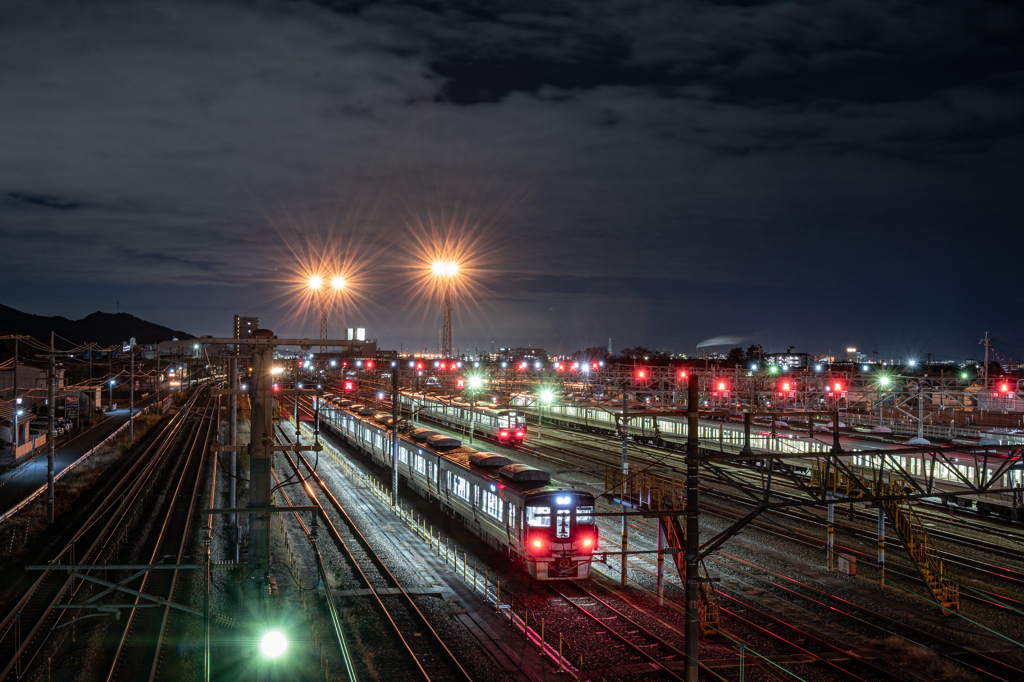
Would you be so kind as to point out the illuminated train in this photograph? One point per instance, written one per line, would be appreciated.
(507, 427)
(510, 506)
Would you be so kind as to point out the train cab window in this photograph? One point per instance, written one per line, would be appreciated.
(585, 514)
(562, 523)
(538, 517)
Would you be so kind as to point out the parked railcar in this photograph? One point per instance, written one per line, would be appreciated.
(507, 426)
(511, 506)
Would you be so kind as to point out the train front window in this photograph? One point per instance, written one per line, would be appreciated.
(562, 525)
(538, 517)
(585, 514)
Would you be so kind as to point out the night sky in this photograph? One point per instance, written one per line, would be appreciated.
(808, 174)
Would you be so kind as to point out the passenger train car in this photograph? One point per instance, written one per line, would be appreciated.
(506, 426)
(511, 506)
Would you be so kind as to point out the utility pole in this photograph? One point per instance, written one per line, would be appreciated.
(131, 394)
(986, 342)
(692, 528)
(14, 399)
(233, 442)
(51, 380)
(625, 475)
(395, 413)
(261, 449)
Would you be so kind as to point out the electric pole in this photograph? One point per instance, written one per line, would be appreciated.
(51, 380)
(131, 395)
(261, 449)
(395, 413)
(986, 342)
(692, 528)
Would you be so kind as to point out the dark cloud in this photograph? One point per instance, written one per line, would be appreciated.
(659, 172)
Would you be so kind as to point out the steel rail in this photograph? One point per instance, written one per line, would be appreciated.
(322, 573)
(934, 638)
(619, 635)
(407, 598)
(199, 439)
(128, 488)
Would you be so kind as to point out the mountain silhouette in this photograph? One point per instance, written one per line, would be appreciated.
(106, 329)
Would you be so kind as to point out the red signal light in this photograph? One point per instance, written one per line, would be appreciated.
(369, 364)
(350, 386)
(682, 375)
(460, 383)
(1004, 388)
(594, 365)
(839, 386)
(276, 388)
(721, 385)
(785, 386)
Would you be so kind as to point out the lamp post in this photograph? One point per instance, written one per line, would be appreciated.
(110, 402)
(317, 284)
(446, 271)
(475, 382)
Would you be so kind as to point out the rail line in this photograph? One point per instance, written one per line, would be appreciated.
(35, 616)
(138, 652)
(430, 656)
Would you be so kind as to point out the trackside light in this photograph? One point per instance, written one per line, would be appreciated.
(273, 644)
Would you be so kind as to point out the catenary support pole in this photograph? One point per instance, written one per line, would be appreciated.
(746, 433)
(395, 413)
(625, 475)
(131, 395)
(831, 533)
(14, 401)
(233, 441)
(260, 455)
(692, 527)
(51, 401)
(661, 561)
(881, 547)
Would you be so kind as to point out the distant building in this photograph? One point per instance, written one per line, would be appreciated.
(245, 326)
(790, 359)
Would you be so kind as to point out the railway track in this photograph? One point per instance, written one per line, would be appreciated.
(879, 625)
(138, 652)
(28, 627)
(424, 657)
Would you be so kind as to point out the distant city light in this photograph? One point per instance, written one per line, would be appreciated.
(754, 367)
(865, 368)
(817, 368)
(334, 363)
(912, 363)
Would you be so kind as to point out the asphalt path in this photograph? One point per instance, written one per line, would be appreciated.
(29, 477)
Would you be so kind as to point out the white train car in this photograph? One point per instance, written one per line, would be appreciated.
(507, 426)
(510, 506)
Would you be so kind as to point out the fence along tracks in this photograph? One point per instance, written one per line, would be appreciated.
(29, 624)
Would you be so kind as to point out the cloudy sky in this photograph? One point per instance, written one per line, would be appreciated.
(805, 174)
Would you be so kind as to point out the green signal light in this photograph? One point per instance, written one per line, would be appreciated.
(273, 644)
(773, 369)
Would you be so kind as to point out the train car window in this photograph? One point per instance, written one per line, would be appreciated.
(421, 465)
(460, 487)
(538, 517)
(585, 514)
(434, 471)
(562, 524)
(403, 457)
(492, 505)
(476, 495)
(512, 515)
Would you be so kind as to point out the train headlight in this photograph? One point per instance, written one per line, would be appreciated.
(273, 644)
(563, 500)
